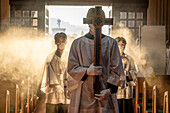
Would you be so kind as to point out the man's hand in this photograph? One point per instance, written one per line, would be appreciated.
(94, 70)
(103, 94)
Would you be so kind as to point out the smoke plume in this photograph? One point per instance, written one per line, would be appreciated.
(22, 54)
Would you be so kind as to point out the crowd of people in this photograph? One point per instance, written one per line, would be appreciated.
(70, 89)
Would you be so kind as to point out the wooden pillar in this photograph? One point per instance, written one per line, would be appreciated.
(159, 14)
(162, 12)
(159, 11)
(144, 98)
(153, 11)
(35, 100)
(136, 96)
(113, 13)
(154, 100)
(165, 105)
(41, 17)
(166, 11)
(4, 14)
(7, 102)
(28, 96)
(154, 2)
(149, 13)
(22, 97)
(32, 96)
(168, 20)
(16, 99)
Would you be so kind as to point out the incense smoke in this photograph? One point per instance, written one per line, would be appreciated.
(22, 54)
(132, 48)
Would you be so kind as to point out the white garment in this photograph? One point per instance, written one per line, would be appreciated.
(129, 66)
(145, 72)
(80, 57)
(52, 82)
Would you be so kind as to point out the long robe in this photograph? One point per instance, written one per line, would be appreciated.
(129, 66)
(81, 56)
(52, 82)
(145, 72)
(125, 95)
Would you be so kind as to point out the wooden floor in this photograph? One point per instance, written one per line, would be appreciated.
(41, 107)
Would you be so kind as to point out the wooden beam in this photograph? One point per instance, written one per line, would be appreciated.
(162, 12)
(22, 96)
(4, 14)
(136, 96)
(151, 12)
(32, 96)
(28, 95)
(144, 97)
(166, 12)
(35, 100)
(154, 99)
(154, 12)
(168, 31)
(158, 12)
(16, 98)
(7, 102)
(165, 105)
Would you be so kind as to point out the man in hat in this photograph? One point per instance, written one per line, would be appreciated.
(81, 70)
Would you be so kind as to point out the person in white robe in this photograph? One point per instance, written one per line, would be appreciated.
(125, 95)
(81, 72)
(52, 82)
(144, 69)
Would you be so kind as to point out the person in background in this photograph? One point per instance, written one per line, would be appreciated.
(125, 95)
(144, 70)
(52, 82)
